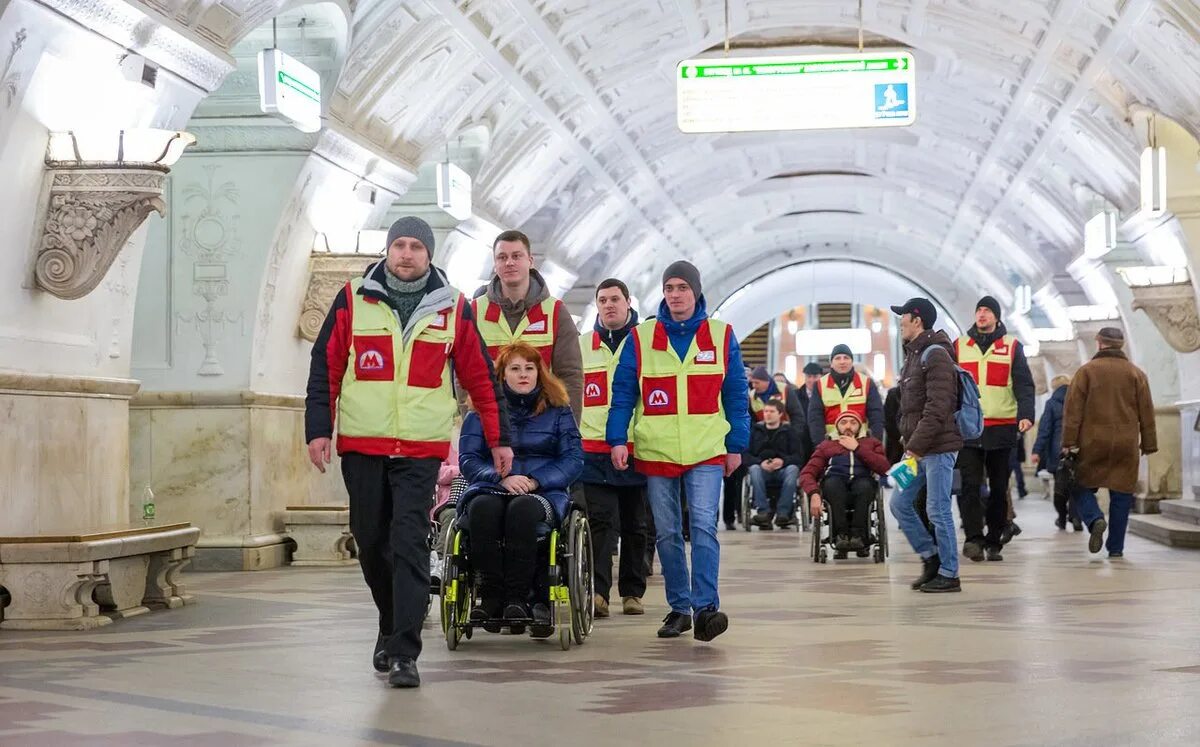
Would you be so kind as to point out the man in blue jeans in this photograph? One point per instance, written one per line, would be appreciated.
(682, 375)
(928, 401)
(774, 458)
(1109, 419)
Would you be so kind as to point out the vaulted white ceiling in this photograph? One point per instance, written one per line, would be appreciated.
(1024, 116)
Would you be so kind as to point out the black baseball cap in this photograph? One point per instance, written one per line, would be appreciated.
(920, 308)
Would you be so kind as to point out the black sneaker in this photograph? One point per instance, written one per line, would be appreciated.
(710, 624)
(517, 612)
(856, 543)
(928, 573)
(1077, 525)
(842, 543)
(940, 585)
(863, 552)
(403, 672)
(380, 661)
(1096, 541)
(762, 520)
(783, 522)
(993, 553)
(1008, 532)
(973, 550)
(1116, 555)
(840, 554)
(541, 628)
(1061, 523)
(729, 526)
(487, 609)
(675, 624)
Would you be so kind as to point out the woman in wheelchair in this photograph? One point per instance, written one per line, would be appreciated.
(844, 470)
(505, 516)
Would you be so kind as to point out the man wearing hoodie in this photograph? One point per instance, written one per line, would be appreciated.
(1047, 448)
(996, 360)
(517, 305)
(383, 364)
(843, 389)
(844, 472)
(682, 374)
(928, 402)
(616, 499)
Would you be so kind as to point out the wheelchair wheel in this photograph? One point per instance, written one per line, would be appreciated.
(881, 546)
(802, 511)
(747, 507)
(455, 589)
(816, 543)
(579, 578)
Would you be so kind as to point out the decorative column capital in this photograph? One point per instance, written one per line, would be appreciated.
(327, 274)
(1172, 308)
(90, 215)
(1062, 356)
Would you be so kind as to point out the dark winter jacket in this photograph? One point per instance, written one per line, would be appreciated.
(778, 443)
(893, 444)
(1024, 389)
(1109, 416)
(1049, 434)
(546, 448)
(831, 459)
(929, 397)
(598, 468)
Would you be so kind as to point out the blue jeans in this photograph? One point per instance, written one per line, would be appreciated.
(938, 471)
(1119, 505)
(785, 478)
(703, 484)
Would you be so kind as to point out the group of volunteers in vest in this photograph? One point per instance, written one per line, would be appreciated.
(634, 413)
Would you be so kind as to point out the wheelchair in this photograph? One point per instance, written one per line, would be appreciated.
(569, 578)
(801, 505)
(822, 536)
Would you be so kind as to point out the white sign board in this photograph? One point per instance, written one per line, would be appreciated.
(808, 92)
(454, 191)
(289, 90)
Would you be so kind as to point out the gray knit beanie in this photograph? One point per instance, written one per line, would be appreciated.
(686, 272)
(413, 228)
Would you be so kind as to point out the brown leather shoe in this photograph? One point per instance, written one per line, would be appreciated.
(632, 606)
(600, 606)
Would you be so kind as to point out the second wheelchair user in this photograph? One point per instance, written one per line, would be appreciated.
(506, 517)
(843, 470)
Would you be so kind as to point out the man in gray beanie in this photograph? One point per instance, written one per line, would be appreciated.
(394, 341)
(682, 375)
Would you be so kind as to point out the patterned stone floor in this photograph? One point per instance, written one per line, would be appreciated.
(1052, 646)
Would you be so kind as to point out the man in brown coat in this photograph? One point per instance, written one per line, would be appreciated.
(1109, 419)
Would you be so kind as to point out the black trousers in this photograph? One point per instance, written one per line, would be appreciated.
(390, 500)
(974, 464)
(731, 507)
(842, 495)
(504, 548)
(618, 512)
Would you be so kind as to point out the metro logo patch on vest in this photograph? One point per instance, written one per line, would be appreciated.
(595, 389)
(373, 358)
(660, 395)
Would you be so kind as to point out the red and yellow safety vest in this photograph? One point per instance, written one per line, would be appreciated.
(536, 329)
(599, 364)
(854, 400)
(397, 395)
(992, 371)
(680, 420)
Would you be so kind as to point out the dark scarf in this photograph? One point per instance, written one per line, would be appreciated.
(984, 341)
(522, 404)
(842, 380)
(405, 295)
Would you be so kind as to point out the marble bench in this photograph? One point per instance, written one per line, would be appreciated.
(322, 535)
(85, 580)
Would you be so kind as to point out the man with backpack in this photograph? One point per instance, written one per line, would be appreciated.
(929, 425)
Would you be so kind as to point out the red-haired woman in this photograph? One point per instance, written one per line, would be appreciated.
(505, 516)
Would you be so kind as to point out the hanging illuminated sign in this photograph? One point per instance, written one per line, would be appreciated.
(802, 92)
(289, 89)
(454, 190)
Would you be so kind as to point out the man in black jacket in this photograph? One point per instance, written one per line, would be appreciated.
(996, 360)
(797, 408)
(774, 459)
(615, 498)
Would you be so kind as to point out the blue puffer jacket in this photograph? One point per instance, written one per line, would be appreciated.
(1049, 435)
(546, 447)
